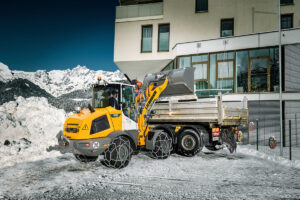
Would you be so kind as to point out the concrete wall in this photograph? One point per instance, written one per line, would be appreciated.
(186, 25)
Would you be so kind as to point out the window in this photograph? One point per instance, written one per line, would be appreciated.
(225, 71)
(201, 74)
(201, 5)
(286, 21)
(227, 27)
(274, 71)
(170, 66)
(286, 2)
(242, 71)
(184, 62)
(128, 102)
(163, 37)
(147, 38)
(259, 74)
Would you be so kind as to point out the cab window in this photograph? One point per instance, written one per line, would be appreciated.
(128, 103)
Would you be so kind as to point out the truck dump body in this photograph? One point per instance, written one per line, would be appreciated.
(211, 110)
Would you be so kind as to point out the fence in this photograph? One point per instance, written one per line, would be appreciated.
(265, 116)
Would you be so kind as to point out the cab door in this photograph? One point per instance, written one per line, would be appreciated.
(129, 117)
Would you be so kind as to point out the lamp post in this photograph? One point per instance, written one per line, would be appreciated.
(280, 78)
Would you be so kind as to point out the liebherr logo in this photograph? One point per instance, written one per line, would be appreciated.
(150, 100)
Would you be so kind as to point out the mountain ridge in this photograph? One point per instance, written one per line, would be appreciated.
(59, 82)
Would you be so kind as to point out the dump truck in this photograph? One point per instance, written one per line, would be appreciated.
(163, 117)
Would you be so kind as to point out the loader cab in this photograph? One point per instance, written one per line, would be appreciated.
(102, 93)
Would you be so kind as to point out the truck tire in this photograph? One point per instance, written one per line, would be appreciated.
(163, 146)
(85, 159)
(189, 143)
(118, 154)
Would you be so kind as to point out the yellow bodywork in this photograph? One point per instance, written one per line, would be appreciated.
(83, 122)
(152, 94)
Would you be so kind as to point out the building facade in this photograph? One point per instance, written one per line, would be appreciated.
(232, 44)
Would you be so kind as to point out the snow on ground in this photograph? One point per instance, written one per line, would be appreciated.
(27, 171)
(273, 155)
(58, 82)
(27, 127)
(208, 175)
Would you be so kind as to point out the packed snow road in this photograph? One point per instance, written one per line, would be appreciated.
(209, 175)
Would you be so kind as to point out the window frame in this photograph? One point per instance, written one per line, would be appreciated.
(200, 11)
(142, 34)
(250, 74)
(227, 19)
(233, 73)
(287, 14)
(158, 38)
(207, 70)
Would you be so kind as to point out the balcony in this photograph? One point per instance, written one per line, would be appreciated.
(139, 12)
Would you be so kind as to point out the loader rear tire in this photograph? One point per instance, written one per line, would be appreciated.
(85, 159)
(163, 146)
(118, 154)
(189, 143)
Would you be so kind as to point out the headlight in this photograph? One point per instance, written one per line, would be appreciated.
(96, 145)
(77, 109)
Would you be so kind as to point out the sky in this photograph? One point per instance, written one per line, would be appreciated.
(57, 34)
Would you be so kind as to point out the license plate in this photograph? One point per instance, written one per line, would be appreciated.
(215, 138)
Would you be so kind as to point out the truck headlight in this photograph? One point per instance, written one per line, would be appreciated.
(96, 145)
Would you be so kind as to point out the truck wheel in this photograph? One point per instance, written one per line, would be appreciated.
(189, 143)
(85, 159)
(163, 146)
(118, 154)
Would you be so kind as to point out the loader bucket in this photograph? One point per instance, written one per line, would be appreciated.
(181, 81)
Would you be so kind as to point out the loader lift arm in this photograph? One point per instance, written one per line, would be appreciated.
(146, 99)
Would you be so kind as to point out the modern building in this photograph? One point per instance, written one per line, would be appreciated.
(232, 44)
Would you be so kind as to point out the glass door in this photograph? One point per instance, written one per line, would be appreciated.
(259, 74)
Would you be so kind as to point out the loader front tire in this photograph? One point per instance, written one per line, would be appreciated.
(118, 154)
(85, 159)
(189, 143)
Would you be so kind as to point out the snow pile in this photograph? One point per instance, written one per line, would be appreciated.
(58, 82)
(250, 150)
(5, 73)
(27, 128)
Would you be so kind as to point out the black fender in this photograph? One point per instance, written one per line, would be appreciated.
(169, 129)
(132, 135)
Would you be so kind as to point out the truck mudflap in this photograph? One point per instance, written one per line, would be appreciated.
(229, 140)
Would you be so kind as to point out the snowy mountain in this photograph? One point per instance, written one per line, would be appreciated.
(59, 82)
(64, 89)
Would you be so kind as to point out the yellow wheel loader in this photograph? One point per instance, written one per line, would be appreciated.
(120, 123)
